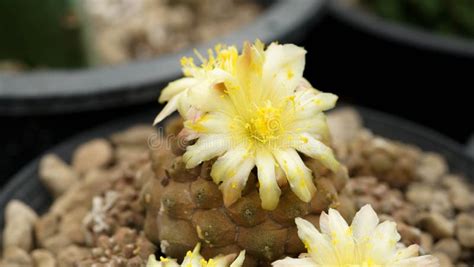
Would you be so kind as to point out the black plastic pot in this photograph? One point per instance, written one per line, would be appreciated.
(59, 91)
(407, 34)
(26, 186)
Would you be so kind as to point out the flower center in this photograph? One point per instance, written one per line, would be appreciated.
(264, 124)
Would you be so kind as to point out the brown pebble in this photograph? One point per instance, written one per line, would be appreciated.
(91, 155)
(420, 194)
(56, 175)
(441, 203)
(128, 251)
(450, 247)
(410, 235)
(19, 224)
(436, 224)
(15, 257)
(97, 252)
(138, 135)
(459, 192)
(68, 256)
(465, 229)
(43, 258)
(444, 260)
(344, 124)
(431, 168)
(426, 243)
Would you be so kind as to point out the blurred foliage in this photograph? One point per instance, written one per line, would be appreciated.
(40, 33)
(445, 16)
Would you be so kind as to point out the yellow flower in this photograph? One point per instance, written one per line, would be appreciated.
(365, 243)
(194, 259)
(198, 81)
(254, 109)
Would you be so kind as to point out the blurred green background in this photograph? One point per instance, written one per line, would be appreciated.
(40, 33)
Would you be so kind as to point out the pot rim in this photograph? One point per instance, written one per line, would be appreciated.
(399, 32)
(59, 90)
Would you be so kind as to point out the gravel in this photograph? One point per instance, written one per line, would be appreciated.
(432, 207)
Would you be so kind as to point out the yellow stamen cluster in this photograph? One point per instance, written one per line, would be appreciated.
(221, 57)
(265, 125)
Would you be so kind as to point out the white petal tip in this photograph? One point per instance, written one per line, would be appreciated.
(157, 120)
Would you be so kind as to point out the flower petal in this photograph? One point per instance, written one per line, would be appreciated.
(316, 126)
(249, 70)
(318, 246)
(233, 185)
(193, 258)
(338, 227)
(282, 70)
(232, 169)
(316, 149)
(341, 236)
(208, 96)
(421, 261)
(382, 243)
(221, 261)
(364, 223)
(211, 123)
(269, 190)
(185, 108)
(176, 87)
(311, 102)
(239, 261)
(404, 253)
(290, 262)
(325, 101)
(298, 175)
(169, 108)
(207, 147)
(227, 165)
(324, 223)
(304, 84)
